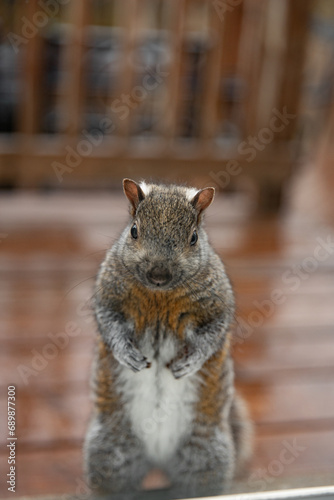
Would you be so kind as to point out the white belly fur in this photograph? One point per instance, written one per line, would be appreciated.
(160, 408)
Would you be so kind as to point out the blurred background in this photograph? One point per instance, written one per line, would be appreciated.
(236, 94)
(162, 86)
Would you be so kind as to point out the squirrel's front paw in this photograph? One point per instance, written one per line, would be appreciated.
(188, 364)
(128, 355)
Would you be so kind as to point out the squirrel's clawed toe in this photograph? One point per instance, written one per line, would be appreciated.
(186, 365)
(132, 358)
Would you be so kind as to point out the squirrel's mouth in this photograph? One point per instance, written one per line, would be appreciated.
(162, 287)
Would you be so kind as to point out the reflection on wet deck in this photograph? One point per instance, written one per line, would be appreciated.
(284, 352)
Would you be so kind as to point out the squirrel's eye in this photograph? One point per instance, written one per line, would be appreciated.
(194, 238)
(134, 232)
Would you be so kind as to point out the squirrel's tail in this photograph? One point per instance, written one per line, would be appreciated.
(242, 432)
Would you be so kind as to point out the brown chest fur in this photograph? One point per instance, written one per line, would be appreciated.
(172, 311)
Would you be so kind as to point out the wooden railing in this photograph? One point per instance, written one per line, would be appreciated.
(206, 91)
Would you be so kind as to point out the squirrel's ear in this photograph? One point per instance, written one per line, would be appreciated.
(134, 193)
(203, 199)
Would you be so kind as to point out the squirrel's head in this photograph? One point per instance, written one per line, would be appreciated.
(165, 246)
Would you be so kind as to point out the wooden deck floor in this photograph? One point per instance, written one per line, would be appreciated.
(50, 247)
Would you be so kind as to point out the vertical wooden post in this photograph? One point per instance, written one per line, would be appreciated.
(177, 15)
(212, 82)
(74, 92)
(128, 13)
(228, 104)
(31, 54)
(250, 60)
(294, 59)
(272, 71)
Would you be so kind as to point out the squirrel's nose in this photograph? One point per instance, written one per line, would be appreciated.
(159, 276)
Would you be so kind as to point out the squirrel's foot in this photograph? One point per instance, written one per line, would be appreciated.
(188, 364)
(131, 357)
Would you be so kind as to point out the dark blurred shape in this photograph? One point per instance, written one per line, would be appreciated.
(195, 51)
(101, 67)
(52, 45)
(9, 77)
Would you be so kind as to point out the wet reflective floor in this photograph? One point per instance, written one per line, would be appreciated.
(283, 274)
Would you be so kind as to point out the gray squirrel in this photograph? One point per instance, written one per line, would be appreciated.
(163, 376)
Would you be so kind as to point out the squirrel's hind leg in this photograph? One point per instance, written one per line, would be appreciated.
(204, 465)
(114, 457)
